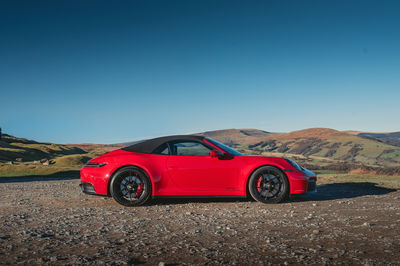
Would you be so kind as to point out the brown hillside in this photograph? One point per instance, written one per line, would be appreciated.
(332, 144)
(96, 148)
(320, 142)
(12, 148)
(319, 133)
(237, 136)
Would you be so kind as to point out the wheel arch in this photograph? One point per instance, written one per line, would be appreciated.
(129, 165)
(258, 167)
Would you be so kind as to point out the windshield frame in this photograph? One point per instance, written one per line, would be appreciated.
(224, 147)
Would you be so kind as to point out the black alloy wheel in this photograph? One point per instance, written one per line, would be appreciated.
(268, 184)
(130, 186)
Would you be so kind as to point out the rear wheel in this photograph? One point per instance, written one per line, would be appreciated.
(130, 186)
(268, 184)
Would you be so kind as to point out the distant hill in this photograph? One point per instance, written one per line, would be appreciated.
(95, 148)
(320, 142)
(12, 148)
(323, 143)
(125, 144)
(228, 136)
(392, 138)
(237, 136)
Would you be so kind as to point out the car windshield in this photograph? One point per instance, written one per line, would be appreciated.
(225, 147)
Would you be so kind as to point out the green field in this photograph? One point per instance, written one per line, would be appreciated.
(30, 169)
(381, 180)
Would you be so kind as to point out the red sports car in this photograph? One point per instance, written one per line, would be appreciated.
(191, 166)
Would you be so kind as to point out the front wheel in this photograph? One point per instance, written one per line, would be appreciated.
(130, 186)
(268, 184)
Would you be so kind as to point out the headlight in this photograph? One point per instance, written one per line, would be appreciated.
(94, 164)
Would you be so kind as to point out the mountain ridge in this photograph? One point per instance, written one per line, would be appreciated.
(367, 148)
(13, 148)
(322, 142)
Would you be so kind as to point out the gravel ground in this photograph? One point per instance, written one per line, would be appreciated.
(52, 222)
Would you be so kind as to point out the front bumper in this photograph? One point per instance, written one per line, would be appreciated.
(88, 188)
(312, 186)
(95, 180)
(300, 183)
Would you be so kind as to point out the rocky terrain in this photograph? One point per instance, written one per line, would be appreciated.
(49, 221)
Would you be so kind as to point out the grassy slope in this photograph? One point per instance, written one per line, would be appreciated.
(12, 148)
(65, 159)
(392, 138)
(35, 169)
(75, 160)
(237, 136)
(94, 148)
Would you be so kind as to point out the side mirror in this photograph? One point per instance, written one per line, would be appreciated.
(214, 153)
(220, 155)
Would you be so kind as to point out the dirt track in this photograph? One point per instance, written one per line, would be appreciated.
(52, 222)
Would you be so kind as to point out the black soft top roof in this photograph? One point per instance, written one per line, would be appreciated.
(148, 146)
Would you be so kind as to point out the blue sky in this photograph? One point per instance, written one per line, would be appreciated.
(114, 71)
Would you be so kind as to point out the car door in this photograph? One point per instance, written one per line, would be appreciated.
(195, 172)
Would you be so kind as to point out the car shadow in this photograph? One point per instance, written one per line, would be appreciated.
(178, 201)
(64, 175)
(334, 191)
(346, 190)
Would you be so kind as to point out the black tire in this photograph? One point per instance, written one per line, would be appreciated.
(268, 184)
(130, 186)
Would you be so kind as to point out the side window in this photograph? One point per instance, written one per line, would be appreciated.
(163, 150)
(189, 148)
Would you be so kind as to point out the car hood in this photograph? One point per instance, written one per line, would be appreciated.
(279, 161)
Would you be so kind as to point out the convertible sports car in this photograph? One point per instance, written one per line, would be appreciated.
(191, 166)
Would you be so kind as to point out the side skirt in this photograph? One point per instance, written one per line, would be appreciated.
(199, 197)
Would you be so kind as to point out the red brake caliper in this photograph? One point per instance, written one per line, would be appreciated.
(259, 184)
(139, 190)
